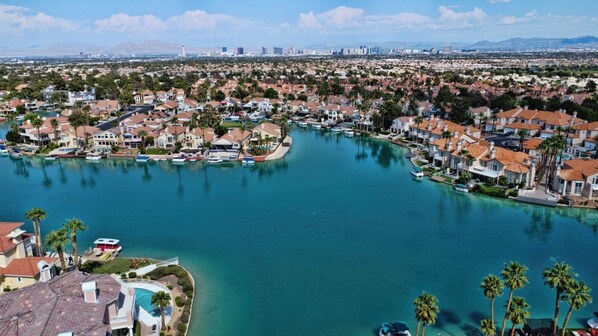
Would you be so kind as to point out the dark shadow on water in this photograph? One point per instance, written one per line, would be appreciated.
(471, 330)
(477, 316)
(447, 317)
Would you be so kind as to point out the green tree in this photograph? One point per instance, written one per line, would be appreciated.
(270, 93)
(72, 226)
(76, 120)
(426, 310)
(161, 300)
(492, 287)
(514, 276)
(57, 239)
(518, 312)
(38, 123)
(558, 278)
(522, 133)
(487, 327)
(54, 124)
(37, 215)
(577, 295)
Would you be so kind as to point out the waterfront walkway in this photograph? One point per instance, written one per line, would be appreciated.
(281, 150)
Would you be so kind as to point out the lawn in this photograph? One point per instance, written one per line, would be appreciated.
(157, 151)
(118, 265)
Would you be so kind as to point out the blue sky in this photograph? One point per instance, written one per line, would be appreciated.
(299, 23)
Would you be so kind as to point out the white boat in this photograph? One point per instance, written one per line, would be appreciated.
(93, 157)
(179, 159)
(3, 150)
(316, 126)
(142, 158)
(302, 124)
(248, 161)
(462, 188)
(349, 133)
(417, 172)
(336, 129)
(51, 157)
(215, 160)
(394, 329)
(16, 155)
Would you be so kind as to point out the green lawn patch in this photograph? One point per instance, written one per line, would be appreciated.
(118, 265)
(491, 191)
(157, 151)
(231, 124)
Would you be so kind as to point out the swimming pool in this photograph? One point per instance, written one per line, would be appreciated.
(143, 298)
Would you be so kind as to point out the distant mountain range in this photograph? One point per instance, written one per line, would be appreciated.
(168, 48)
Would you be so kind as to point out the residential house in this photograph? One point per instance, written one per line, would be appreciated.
(197, 137)
(87, 95)
(401, 125)
(268, 131)
(18, 267)
(75, 303)
(432, 128)
(578, 177)
(170, 136)
(104, 140)
(231, 141)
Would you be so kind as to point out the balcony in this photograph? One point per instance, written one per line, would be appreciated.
(484, 171)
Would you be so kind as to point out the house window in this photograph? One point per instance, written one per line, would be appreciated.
(578, 186)
(595, 181)
(19, 279)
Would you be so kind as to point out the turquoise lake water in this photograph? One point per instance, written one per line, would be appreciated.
(333, 240)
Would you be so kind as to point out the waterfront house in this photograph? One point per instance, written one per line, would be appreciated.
(18, 266)
(577, 177)
(231, 141)
(268, 131)
(197, 137)
(170, 136)
(104, 140)
(432, 129)
(441, 150)
(401, 125)
(73, 304)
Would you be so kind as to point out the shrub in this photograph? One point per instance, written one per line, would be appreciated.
(123, 276)
(189, 294)
(6, 289)
(132, 275)
(185, 317)
(180, 302)
(181, 327)
(169, 287)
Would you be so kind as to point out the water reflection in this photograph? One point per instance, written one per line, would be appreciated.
(540, 224)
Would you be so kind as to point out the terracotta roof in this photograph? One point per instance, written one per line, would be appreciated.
(579, 169)
(532, 143)
(25, 267)
(6, 243)
(518, 125)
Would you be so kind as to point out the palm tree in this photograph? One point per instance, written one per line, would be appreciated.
(142, 134)
(558, 277)
(86, 109)
(426, 310)
(492, 287)
(487, 327)
(577, 295)
(522, 133)
(160, 300)
(37, 123)
(494, 118)
(418, 120)
(37, 215)
(514, 276)
(518, 312)
(57, 239)
(54, 123)
(73, 225)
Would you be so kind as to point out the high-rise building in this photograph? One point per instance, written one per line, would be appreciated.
(277, 51)
(264, 50)
(183, 54)
(224, 49)
(240, 50)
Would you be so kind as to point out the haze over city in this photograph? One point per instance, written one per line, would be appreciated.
(300, 23)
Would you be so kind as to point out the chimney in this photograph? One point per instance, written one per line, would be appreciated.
(445, 128)
(455, 134)
(468, 130)
(492, 153)
(459, 145)
(90, 291)
(491, 146)
(572, 120)
(449, 145)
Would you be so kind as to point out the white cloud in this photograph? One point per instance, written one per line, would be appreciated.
(199, 21)
(343, 17)
(509, 20)
(126, 23)
(494, 2)
(15, 19)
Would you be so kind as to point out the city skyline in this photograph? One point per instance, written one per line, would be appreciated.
(304, 24)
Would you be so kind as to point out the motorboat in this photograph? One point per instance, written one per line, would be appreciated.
(93, 156)
(51, 157)
(142, 158)
(215, 160)
(394, 329)
(16, 154)
(302, 124)
(336, 129)
(349, 132)
(316, 126)
(179, 159)
(248, 161)
(3, 150)
(462, 188)
(417, 172)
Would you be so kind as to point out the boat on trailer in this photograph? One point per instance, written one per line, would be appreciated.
(417, 172)
(142, 158)
(462, 188)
